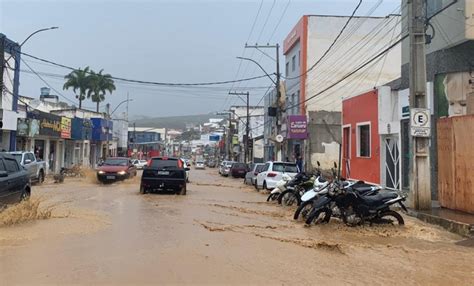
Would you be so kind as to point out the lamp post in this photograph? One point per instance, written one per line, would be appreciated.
(31, 35)
(109, 116)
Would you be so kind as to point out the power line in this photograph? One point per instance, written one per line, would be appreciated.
(151, 82)
(351, 73)
(330, 47)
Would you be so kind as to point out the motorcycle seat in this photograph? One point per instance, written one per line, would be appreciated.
(362, 190)
(379, 198)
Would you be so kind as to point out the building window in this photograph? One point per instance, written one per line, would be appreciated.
(297, 103)
(287, 70)
(293, 63)
(299, 58)
(363, 140)
(433, 6)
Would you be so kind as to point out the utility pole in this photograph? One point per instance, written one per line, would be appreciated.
(107, 109)
(2, 62)
(420, 179)
(247, 124)
(277, 86)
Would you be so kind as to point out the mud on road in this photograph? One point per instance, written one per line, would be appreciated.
(222, 232)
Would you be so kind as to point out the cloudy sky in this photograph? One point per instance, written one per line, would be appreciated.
(162, 41)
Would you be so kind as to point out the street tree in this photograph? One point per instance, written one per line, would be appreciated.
(100, 85)
(79, 80)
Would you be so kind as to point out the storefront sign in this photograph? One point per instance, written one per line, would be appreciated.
(297, 127)
(102, 129)
(27, 127)
(49, 124)
(81, 129)
(65, 127)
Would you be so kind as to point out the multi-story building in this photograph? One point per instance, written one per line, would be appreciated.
(312, 68)
(256, 129)
(9, 92)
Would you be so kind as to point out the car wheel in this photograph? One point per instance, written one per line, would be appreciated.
(182, 191)
(143, 190)
(41, 177)
(25, 195)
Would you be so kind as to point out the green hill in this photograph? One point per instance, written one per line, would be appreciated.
(173, 122)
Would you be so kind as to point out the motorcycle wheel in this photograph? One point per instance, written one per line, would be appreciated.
(272, 197)
(315, 216)
(288, 198)
(304, 209)
(389, 217)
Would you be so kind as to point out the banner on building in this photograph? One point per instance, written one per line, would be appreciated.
(297, 127)
(49, 124)
(27, 127)
(66, 127)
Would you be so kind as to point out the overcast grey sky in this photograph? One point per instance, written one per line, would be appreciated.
(165, 41)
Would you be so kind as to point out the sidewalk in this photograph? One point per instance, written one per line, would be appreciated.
(455, 221)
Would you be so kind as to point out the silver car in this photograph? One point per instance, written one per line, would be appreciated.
(251, 176)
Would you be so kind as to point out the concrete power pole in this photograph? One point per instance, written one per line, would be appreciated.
(247, 124)
(420, 179)
(277, 85)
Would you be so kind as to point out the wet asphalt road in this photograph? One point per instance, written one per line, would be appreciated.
(222, 232)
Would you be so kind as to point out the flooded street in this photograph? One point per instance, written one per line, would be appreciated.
(222, 232)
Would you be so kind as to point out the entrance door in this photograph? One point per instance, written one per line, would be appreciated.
(405, 153)
(392, 163)
(346, 152)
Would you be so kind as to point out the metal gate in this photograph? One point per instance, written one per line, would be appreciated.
(392, 163)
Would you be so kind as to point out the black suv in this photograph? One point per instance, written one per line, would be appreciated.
(14, 181)
(164, 174)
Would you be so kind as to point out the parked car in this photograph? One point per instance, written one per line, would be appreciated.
(116, 169)
(14, 181)
(238, 170)
(164, 174)
(200, 165)
(225, 168)
(36, 168)
(139, 164)
(251, 176)
(272, 172)
(187, 168)
(211, 163)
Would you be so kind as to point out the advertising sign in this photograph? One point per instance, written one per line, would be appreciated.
(49, 124)
(65, 127)
(214, 138)
(297, 127)
(28, 127)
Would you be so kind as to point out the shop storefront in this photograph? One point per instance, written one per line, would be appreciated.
(40, 132)
(81, 134)
(101, 136)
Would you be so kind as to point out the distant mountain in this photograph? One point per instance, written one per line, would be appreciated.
(173, 122)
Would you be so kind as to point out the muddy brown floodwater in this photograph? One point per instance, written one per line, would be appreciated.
(222, 232)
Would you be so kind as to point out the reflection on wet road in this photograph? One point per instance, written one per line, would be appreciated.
(222, 232)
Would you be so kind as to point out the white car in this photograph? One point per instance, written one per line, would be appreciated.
(272, 172)
(139, 164)
(200, 165)
(186, 167)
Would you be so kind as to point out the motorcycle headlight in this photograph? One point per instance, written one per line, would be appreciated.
(101, 172)
(122, 173)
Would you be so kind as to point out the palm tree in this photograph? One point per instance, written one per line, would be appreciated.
(100, 85)
(78, 80)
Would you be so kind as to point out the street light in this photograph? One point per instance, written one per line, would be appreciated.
(254, 61)
(36, 32)
(126, 100)
(31, 35)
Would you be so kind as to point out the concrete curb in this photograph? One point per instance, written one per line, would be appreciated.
(460, 228)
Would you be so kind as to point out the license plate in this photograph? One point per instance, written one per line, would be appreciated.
(111, 177)
(163, 172)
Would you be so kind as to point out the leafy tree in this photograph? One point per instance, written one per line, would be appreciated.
(78, 80)
(100, 85)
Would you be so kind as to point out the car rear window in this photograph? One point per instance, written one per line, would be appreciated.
(285, 167)
(164, 163)
(239, 165)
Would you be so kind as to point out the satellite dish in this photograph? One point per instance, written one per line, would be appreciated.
(279, 138)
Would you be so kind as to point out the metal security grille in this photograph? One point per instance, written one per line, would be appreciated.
(392, 163)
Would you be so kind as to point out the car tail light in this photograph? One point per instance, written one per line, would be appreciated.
(271, 175)
(255, 173)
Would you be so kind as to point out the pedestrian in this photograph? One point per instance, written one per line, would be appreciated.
(299, 163)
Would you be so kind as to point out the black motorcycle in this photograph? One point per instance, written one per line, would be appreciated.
(301, 183)
(356, 206)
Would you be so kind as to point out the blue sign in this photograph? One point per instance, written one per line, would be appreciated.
(214, 138)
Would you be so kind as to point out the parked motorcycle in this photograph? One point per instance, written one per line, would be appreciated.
(280, 187)
(356, 205)
(296, 188)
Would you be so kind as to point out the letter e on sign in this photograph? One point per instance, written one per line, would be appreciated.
(420, 122)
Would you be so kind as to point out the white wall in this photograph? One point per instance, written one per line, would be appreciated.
(350, 51)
